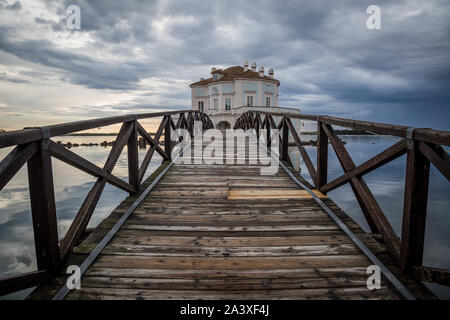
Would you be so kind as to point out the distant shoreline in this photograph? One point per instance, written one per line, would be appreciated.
(89, 134)
(343, 133)
(94, 134)
(339, 132)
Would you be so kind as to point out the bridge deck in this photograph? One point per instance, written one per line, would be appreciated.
(227, 232)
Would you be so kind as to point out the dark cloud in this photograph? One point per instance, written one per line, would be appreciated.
(56, 26)
(16, 6)
(322, 52)
(81, 69)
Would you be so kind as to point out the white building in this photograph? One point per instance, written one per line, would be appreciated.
(227, 92)
(230, 92)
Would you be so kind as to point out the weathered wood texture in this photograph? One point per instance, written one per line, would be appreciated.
(192, 238)
(423, 146)
(36, 149)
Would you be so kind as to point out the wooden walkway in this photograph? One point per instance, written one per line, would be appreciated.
(227, 232)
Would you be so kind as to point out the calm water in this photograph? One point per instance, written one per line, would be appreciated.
(71, 186)
(387, 185)
(17, 253)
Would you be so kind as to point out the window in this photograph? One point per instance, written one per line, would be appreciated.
(249, 101)
(228, 104)
(200, 106)
(216, 104)
(215, 77)
(267, 101)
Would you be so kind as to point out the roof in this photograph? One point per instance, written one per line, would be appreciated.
(232, 73)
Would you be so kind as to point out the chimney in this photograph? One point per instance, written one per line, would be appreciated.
(261, 71)
(213, 69)
(254, 66)
(245, 65)
(201, 79)
(271, 72)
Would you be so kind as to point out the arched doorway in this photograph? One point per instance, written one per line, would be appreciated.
(223, 125)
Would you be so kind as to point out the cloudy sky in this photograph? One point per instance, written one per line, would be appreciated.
(140, 56)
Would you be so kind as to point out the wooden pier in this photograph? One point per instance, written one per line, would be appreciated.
(224, 231)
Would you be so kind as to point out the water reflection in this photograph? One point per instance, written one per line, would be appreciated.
(17, 253)
(387, 185)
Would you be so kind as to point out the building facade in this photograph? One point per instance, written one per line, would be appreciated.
(230, 92)
(223, 95)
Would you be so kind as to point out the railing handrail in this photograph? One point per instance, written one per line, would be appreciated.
(420, 134)
(26, 135)
(35, 149)
(422, 147)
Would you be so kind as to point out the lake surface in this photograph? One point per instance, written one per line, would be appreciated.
(387, 184)
(17, 253)
(71, 186)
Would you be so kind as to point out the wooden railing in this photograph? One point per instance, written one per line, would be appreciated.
(34, 147)
(422, 146)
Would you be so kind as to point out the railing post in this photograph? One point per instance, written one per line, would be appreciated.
(414, 207)
(133, 158)
(257, 126)
(322, 155)
(42, 198)
(285, 143)
(190, 124)
(167, 138)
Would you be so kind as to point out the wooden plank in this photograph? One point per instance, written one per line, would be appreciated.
(142, 238)
(130, 225)
(235, 194)
(356, 293)
(43, 209)
(227, 274)
(223, 285)
(224, 213)
(14, 161)
(190, 251)
(414, 208)
(324, 294)
(212, 263)
(147, 215)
